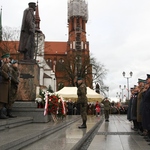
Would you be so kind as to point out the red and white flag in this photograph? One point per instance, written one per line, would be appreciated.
(46, 104)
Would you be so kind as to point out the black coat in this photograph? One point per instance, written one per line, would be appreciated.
(146, 110)
(129, 109)
(134, 107)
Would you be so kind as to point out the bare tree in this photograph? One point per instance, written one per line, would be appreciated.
(9, 43)
(89, 69)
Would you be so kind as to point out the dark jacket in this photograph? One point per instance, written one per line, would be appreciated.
(146, 110)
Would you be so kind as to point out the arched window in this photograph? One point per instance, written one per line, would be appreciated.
(49, 62)
(60, 65)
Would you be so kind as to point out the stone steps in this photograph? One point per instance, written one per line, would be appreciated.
(14, 122)
(17, 138)
(29, 109)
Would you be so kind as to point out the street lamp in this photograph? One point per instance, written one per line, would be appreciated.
(122, 90)
(131, 73)
(118, 95)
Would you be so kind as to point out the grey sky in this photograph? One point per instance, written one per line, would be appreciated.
(118, 32)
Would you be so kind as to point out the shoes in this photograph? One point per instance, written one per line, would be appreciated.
(3, 113)
(9, 114)
(106, 120)
(2, 116)
(82, 126)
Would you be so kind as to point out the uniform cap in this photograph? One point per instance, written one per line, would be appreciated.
(141, 80)
(5, 56)
(148, 76)
(79, 78)
(32, 4)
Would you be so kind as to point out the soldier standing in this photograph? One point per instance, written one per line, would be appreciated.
(146, 108)
(139, 99)
(4, 84)
(107, 106)
(14, 86)
(82, 101)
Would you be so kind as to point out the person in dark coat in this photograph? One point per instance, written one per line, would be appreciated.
(130, 105)
(4, 84)
(27, 35)
(82, 101)
(134, 108)
(139, 98)
(142, 110)
(146, 108)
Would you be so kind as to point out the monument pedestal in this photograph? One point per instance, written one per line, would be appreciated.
(29, 80)
(25, 105)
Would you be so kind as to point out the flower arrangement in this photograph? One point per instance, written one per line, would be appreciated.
(55, 105)
(40, 100)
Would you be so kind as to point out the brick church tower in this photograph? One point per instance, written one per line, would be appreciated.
(78, 47)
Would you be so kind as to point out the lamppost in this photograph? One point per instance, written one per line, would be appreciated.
(118, 95)
(122, 90)
(131, 73)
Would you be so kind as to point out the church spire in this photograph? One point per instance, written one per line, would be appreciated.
(1, 24)
(37, 18)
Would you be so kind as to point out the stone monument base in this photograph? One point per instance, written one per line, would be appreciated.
(28, 81)
(29, 109)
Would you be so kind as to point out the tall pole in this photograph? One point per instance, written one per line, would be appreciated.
(122, 90)
(131, 73)
(128, 87)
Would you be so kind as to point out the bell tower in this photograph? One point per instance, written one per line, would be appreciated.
(77, 19)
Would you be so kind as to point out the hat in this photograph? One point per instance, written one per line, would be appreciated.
(141, 80)
(32, 4)
(148, 76)
(5, 56)
(79, 78)
(14, 61)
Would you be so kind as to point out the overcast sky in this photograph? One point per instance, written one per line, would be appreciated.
(118, 32)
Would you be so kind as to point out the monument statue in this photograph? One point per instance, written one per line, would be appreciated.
(27, 35)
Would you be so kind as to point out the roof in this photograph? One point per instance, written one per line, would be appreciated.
(71, 92)
(50, 47)
(55, 47)
(9, 46)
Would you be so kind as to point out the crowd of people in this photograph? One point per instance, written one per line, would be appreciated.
(139, 107)
(9, 81)
(92, 108)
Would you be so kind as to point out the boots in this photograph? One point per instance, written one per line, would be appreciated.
(83, 125)
(2, 114)
(9, 114)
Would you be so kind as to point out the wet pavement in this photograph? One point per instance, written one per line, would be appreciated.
(65, 135)
(66, 138)
(113, 135)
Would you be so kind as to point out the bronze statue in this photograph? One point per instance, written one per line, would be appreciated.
(27, 35)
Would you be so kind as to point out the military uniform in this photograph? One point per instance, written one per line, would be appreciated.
(107, 106)
(14, 86)
(4, 86)
(82, 102)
